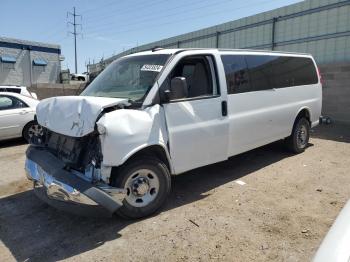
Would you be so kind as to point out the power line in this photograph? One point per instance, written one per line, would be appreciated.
(103, 6)
(53, 31)
(58, 32)
(74, 33)
(150, 15)
(142, 21)
(114, 12)
(189, 18)
(48, 30)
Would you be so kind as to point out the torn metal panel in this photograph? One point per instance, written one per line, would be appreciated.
(128, 131)
(73, 115)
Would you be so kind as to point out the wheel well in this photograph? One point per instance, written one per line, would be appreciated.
(155, 151)
(150, 151)
(25, 126)
(304, 113)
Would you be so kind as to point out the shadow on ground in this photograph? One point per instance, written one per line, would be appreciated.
(337, 131)
(32, 230)
(12, 142)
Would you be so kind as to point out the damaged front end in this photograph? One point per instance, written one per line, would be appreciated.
(68, 172)
(80, 154)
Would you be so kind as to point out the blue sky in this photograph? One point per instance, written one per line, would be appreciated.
(109, 27)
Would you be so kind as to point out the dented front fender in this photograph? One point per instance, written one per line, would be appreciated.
(126, 131)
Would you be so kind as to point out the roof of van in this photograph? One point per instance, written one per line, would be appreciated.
(178, 50)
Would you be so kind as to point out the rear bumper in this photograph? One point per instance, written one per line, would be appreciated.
(65, 190)
(315, 123)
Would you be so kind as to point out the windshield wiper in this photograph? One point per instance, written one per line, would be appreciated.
(134, 103)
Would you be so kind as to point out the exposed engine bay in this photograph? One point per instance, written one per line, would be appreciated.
(80, 154)
(76, 152)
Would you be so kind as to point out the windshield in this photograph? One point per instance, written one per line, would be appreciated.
(130, 77)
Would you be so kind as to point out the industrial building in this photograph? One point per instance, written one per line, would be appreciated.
(319, 27)
(26, 63)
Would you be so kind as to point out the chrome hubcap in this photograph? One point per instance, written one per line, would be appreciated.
(35, 130)
(302, 136)
(142, 187)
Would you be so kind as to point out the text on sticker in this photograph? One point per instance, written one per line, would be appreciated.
(155, 68)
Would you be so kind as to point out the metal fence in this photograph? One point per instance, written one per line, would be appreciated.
(321, 28)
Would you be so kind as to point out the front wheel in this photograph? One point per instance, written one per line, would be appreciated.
(147, 182)
(299, 139)
(32, 129)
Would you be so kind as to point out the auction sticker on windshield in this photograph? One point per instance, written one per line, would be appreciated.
(155, 68)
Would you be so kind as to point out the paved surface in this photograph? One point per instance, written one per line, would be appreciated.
(281, 213)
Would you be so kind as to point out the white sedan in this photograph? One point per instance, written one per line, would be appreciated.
(336, 245)
(17, 116)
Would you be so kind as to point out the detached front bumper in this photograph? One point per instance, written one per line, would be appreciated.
(66, 191)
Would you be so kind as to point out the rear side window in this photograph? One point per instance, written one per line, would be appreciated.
(268, 72)
(294, 71)
(236, 72)
(12, 90)
(262, 72)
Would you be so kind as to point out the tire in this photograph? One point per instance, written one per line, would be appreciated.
(148, 184)
(299, 139)
(30, 129)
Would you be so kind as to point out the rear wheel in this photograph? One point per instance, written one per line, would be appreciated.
(299, 139)
(147, 182)
(32, 129)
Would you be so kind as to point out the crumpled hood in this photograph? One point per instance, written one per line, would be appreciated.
(73, 115)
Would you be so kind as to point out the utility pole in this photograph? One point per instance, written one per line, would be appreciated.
(87, 63)
(74, 33)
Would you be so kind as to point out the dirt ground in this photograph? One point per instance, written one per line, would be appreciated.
(281, 213)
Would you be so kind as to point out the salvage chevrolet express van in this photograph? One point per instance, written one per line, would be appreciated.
(163, 112)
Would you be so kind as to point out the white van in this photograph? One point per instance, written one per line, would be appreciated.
(163, 112)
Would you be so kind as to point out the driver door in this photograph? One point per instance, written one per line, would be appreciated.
(197, 124)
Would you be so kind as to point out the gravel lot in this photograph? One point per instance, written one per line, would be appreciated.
(282, 212)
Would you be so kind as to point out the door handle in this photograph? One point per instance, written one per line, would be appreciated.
(23, 112)
(224, 108)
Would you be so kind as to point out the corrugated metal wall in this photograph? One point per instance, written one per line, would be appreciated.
(319, 27)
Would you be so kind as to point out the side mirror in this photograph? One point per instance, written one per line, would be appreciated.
(178, 89)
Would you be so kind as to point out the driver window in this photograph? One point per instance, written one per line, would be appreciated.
(199, 74)
(7, 103)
